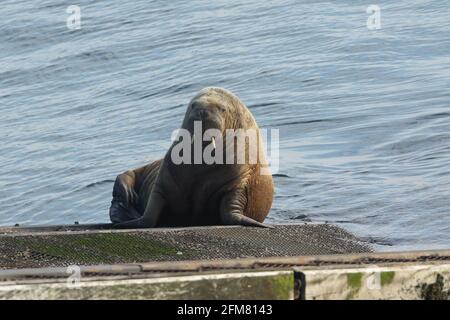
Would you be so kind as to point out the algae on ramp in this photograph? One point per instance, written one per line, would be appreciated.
(99, 248)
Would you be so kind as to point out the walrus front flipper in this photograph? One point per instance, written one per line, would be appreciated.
(151, 215)
(124, 189)
(118, 212)
(131, 224)
(125, 198)
(232, 208)
(233, 218)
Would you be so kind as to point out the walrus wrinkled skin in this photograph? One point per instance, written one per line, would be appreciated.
(165, 194)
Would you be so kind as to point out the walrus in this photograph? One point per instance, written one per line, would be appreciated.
(166, 193)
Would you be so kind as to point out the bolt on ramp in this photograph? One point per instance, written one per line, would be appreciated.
(61, 246)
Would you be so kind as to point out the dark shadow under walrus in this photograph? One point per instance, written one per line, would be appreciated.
(166, 193)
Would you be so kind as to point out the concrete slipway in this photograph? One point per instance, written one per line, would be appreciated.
(307, 261)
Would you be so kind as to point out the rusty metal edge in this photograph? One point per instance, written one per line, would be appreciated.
(335, 259)
(286, 263)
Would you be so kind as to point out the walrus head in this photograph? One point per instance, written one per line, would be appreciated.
(217, 108)
(216, 123)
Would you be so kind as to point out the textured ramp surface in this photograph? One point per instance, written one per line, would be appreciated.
(28, 248)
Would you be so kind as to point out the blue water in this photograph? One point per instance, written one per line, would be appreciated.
(364, 115)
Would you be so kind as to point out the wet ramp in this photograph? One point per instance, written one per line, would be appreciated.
(64, 246)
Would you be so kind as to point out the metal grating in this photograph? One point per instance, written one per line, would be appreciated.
(60, 249)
